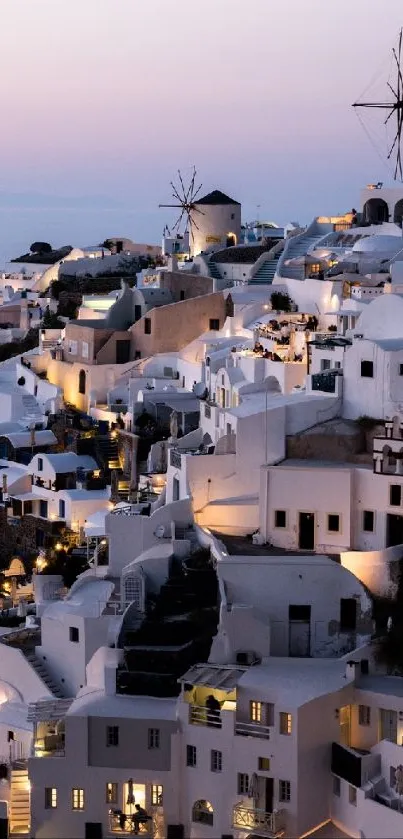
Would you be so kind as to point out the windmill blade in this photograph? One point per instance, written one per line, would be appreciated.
(196, 210)
(178, 221)
(193, 223)
(176, 206)
(393, 110)
(399, 72)
(194, 196)
(182, 184)
(393, 91)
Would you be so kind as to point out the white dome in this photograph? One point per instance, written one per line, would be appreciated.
(378, 244)
(383, 318)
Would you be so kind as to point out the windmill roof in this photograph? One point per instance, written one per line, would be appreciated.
(216, 197)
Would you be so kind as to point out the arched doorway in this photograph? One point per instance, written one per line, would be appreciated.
(376, 211)
(398, 213)
(231, 240)
(82, 381)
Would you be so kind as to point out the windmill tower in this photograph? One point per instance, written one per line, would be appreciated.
(213, 220)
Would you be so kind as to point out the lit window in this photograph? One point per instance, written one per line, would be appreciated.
(191, 756)
(368, 521)
(284, 791)
(333, 523)
(243, 783)
(77, 799)
(153, 738)
(111, 796)
(216, 761)
(203, 813)
(280, 518)
(336, 786)
(255, 711)
(285, 723)
(157, 795)
(50, 798)
(364, 715)
(263, 764)
(112, 735)
(352, 796)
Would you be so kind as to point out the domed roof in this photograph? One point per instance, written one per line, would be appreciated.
(383, 318)
(378, 244)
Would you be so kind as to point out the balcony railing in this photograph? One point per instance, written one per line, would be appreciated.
(125, 824)
(52, 745)
(176, 460)
(266, 824)
(200, 715)
(252, 729)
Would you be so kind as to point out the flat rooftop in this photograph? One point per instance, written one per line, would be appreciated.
(243, 546)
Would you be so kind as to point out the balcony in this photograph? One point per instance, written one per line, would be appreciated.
(199, 715)
(266, 824)
(51, 745)
(124, 824)
(252, 729)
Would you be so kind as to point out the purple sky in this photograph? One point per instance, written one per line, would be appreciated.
(111, 96)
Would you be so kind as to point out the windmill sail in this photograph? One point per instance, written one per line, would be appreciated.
(388, 108)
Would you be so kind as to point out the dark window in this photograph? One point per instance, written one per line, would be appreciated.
(280, 518)
(62, 509)
(81, 381)
(182, 295)
(74, 634)
(153, 738)
(112, 735)
(147, 326)
(232, 216)
(333, 523)
(216, 761)
(284, 790)
(364, 715)
(243, 783)
(348, 614)
(395, 495)
(40, 464)
(43, 509)
(214, 323)
(122, 352)
(367, 369)
(137, 355)
(39, 538)
(299, 613)
(191, 756)
(368, 521)
(400, 369)
(325, 364)
(27, 508)
(137, 312)
(336, 786)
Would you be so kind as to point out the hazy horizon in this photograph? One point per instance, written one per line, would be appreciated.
(107, 98)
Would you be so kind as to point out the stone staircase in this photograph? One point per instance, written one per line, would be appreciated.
(214, 272)
(265, 274)
(297, 246)
(20, 804)
(32, 412)
(40, 669)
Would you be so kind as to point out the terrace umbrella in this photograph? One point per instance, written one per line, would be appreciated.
(253, 789)
(130, 794)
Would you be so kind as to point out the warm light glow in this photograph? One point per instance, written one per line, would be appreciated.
(40, 563)
(103, 541)
(52, 516)
(266, 306)
(114, 434)
(97, 473)
(58, 546)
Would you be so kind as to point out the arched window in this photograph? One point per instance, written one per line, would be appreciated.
(134, 591)
(203, 812)
(81, 381)
(376, 211)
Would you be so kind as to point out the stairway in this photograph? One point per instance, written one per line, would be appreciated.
(20, 816)
(265, 274)
(40, 669)
(32, 411)
(214, 272)
(297, 246)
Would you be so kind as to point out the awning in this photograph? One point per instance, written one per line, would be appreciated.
(26, 496)
(23, 439)
(222, 678)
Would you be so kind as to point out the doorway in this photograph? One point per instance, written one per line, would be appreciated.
(388, 725)
(265, 794)
(306, 533)
(394, 530)
(299, 631)
(122, 352)
(175, 489)
(231, 240)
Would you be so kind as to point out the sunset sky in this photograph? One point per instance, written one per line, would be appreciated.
(109, 97)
